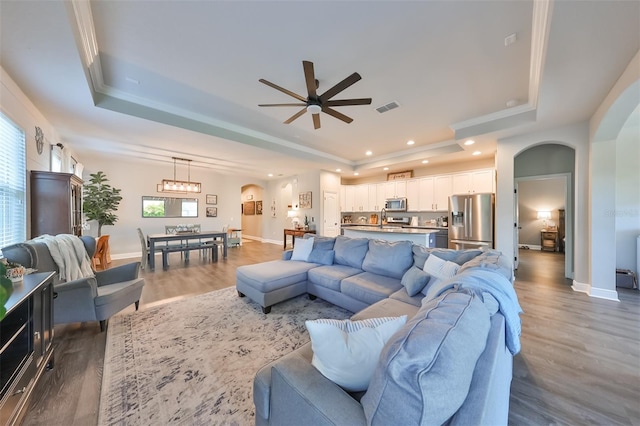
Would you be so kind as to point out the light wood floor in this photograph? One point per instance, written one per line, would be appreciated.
(580, 359)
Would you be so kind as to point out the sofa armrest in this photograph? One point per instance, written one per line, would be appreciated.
(118, 274)
(301, 395)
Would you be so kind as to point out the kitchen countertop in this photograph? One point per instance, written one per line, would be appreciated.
(392, 229)
(370, 225)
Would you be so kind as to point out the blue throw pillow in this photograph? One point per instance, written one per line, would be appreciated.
(323, 257)
(414, 280)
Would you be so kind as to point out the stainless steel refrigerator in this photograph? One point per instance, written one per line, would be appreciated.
(471, 218)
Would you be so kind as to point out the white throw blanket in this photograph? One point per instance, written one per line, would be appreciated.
(69, 253)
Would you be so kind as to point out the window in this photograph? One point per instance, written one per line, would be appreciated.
(13, 169)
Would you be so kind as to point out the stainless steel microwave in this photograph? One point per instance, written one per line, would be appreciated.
(396, 204)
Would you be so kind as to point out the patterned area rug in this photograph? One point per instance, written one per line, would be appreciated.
(193, 361)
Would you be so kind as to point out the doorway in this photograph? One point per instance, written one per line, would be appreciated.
(544, 190)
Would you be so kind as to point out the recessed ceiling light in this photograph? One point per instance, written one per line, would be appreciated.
(270, 175)
(356, 173)
(470, 142)
(369, 153)
(338, 170)
(476, 153)
(410, 142)
(425, 161)
(385, 169)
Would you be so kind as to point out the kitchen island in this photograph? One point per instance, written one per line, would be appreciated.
(424, 237)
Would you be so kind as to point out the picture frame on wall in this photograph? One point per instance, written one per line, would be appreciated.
(304, 200)
(249, 208)
(212, 199)
(259, 207)
(212, 212)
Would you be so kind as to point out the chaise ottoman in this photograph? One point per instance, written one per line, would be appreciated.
(272, 282)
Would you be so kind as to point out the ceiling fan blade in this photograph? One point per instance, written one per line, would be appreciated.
(296, 115)
(353, 78)
(310, 78)
(316, 121)
(279, 105)
(345, 102)
(337, 114)
(283, 90)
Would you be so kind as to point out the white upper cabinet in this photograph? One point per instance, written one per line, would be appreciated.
(362, 198)
(442, 189)
(426, 194)
(413, 195)
(472, 182)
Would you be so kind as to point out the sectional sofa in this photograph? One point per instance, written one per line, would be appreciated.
(451, 362)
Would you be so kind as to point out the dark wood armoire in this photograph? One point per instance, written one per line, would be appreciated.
(56, 203)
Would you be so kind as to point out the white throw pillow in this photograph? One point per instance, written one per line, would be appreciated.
(302, 249)
(346, 352)
(439, 270)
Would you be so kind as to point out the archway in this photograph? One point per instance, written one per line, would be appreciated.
(546, 172)
(252, 211)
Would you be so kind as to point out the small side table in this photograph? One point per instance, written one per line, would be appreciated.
(295, 233)
(548, 240)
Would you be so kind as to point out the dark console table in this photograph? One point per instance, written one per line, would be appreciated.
(295, 233)
(26, 343)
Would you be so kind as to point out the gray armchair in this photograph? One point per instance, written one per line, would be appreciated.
(86, 299)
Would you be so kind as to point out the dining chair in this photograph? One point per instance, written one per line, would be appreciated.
(99, 258)
(145, 249)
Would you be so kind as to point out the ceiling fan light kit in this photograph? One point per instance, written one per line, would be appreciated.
(315, 103)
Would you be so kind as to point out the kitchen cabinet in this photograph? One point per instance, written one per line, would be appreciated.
(343, 201)
(413, 195)
(362, 198)
(376, 197)
(442, 189)
(26, 343)
(350, 198)
(426, 194)
(56, 203)
(476, 181)
(396, 189)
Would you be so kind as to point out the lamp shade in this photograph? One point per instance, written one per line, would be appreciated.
(543, 214)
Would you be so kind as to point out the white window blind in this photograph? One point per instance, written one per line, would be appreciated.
(13, 170)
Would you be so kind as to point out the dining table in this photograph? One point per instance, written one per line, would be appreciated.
(154, 239)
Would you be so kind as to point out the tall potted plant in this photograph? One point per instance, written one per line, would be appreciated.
(101, 200)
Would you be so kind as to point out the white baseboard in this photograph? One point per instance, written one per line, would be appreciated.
(594, 291)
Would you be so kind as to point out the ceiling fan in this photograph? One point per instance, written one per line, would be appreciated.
(315, 103)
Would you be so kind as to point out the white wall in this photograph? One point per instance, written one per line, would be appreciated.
(627, 198)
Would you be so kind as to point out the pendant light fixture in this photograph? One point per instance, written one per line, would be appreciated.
(180, 186)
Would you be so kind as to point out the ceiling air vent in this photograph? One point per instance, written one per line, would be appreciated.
(387, 107)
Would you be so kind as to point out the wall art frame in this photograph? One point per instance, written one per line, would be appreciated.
(304, 200)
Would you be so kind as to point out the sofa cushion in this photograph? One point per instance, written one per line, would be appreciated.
(303, 249)
(350, 251)
(414, 280)
(273, 275)
(402, 296)
(439, 270)
(346, 352)
(320, 242)
(391, 259)
(331, 276)
(369, 288)
(421, 253)
(323, 257)
(425, 370)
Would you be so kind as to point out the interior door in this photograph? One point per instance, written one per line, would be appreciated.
(331, 215)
